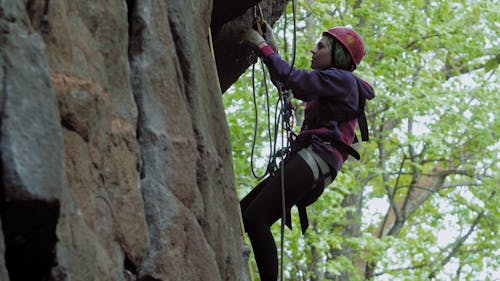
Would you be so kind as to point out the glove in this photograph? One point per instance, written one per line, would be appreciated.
(253, 38)
(270, 38)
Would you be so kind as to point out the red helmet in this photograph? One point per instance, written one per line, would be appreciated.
(351, 41)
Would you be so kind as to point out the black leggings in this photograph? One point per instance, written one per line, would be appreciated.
(261, 208)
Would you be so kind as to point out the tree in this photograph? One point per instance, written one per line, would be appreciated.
(432, 162)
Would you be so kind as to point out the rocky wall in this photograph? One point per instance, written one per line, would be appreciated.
(115, 151)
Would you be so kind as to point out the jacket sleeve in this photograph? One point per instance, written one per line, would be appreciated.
(333, 84)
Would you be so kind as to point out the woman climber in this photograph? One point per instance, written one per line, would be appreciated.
(335, 100)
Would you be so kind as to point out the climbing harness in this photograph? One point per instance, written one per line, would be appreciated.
(317, 164)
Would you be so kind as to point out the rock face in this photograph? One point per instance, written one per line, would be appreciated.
(115, 151)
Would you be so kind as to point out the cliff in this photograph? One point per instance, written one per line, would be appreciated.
(115, 151)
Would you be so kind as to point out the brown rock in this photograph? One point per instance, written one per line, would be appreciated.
(115, 150)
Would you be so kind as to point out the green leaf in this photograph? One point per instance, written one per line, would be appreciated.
(491, 64)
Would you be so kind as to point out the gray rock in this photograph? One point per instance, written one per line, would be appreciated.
(115, 150)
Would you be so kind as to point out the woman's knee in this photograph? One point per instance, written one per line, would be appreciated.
(253, 221)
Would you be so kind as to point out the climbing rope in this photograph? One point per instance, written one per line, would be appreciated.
(260, 25)
(283, 115)
(285, 105)
(294, 40)
(283, 201)
(272, 144)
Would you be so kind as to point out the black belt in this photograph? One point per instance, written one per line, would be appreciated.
(305, 141)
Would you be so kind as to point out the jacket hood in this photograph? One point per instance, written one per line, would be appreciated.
(365, 88)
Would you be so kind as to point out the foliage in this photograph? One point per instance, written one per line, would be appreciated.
(422, 202)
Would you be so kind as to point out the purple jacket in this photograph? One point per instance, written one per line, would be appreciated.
(332, 99)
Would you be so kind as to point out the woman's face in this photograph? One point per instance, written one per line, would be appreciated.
(321, 57)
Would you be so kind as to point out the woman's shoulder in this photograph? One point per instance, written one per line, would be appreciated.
(339, 72)
(337, 76)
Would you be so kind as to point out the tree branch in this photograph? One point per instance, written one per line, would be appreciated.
(458, 244)
(413, 43)
(451, 72)
(458, 184)
(401, 268)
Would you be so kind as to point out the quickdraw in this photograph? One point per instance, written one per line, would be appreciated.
(259, 23)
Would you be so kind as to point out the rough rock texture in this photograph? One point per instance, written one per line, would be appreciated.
(115, 151)
(231, 55)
